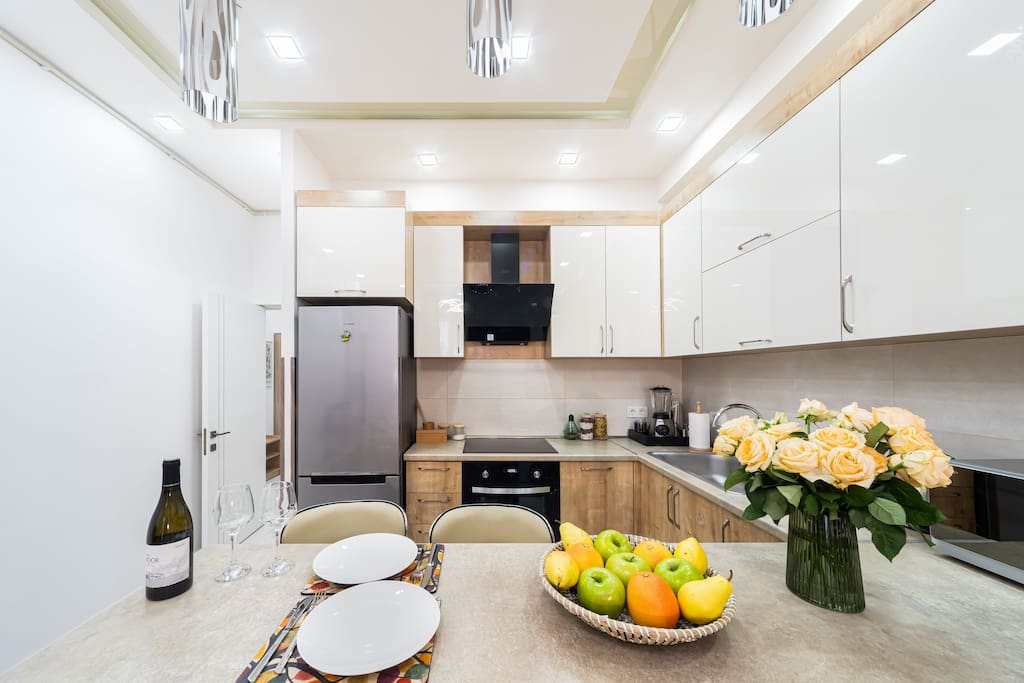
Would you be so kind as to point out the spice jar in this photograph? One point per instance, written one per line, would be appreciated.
(586, 427)
(601, 427)
(460, 432)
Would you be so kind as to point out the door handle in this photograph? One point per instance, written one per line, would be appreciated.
(755, 341)
(458, 339)
(501, 491)
(695, 344)
(433, 469)
(341, 291)
(675, 508)
(434, 500)
(848, 280)
(214, 434)
(725, 525)
(753, 239)
(668, 504)
(602, 339)
(611, 343)
(596, 469)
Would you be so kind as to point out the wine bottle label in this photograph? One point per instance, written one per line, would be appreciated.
(167, 564)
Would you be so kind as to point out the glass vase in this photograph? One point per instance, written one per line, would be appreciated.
(823, 562)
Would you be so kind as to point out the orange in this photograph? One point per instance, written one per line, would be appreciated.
(651, 602)
(652, 551)
(584, 555)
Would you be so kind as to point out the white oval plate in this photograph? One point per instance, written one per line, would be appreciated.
(363, 558)
(368, 628)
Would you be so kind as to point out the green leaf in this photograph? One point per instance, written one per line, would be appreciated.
(830, 494)
(752, 512)
(737, 477)
(775, 504)
(756, 482)
(857, 496)
(860, 518)
(876, 433)
(811, 505)
(888, 512)
(889, 540)
(784, 476)
(793, 493)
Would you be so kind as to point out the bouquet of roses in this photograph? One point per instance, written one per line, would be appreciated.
(869, 465)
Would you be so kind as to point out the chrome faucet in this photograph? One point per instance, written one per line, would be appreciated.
(731, 406)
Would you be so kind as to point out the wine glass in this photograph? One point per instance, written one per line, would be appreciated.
(232, 510)
(279, 506)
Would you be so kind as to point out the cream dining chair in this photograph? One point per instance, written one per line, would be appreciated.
(332, 522)
(491, 523)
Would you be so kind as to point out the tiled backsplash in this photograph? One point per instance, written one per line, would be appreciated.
(970, 391)
(535, 397)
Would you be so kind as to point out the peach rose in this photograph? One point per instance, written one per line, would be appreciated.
(895, 417)
(836, 437)
(738, 428)
(810, 408)
(797, 456)
(927, 468)
(909, 439)
(850, 467)
(783, 430)
(855, 417)
(881, 463)
(755, 451)
(724, 446)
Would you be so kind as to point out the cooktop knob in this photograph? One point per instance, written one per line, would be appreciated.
(485, 475)
(535, 473)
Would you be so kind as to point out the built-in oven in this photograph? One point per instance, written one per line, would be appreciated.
(984, 510)
(530, 484)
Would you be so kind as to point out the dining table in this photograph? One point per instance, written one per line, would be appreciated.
(928, 618)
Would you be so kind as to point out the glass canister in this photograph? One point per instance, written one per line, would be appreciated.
(586, 427)
(600, 427)
(460, 432)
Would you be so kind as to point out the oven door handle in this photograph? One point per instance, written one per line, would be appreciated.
(501, 491)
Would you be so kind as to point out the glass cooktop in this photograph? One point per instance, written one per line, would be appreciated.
(482, 445)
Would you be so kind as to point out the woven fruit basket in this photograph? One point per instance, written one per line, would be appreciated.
(623, 628)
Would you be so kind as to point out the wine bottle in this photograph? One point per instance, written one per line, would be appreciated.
(169, 540)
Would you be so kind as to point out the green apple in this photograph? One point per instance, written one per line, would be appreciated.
(624, 565)
(677, 571)
(610, 542)
(601, 591)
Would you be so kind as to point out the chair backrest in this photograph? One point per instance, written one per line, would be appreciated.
(491, 523)
(332, 522)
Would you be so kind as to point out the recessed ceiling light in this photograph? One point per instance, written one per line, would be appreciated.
(670, 123)
(993, 44)
(285, 47)
(520, 47)
(428, 159)
(967, 208)
(327, 250)
(891, 159)
(750, 158)
(563, 264)
(168, 123)
(568, 158)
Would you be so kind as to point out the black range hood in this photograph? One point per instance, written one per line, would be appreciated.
(505, 311)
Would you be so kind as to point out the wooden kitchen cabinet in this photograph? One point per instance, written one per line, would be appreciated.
(431, 488)
(597, 495)
(709, 522)
(658, 505)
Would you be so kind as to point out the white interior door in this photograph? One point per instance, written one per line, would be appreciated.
(234, 392)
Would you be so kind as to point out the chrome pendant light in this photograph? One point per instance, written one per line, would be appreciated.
(760, 12)
(209, 58)
(489, 36)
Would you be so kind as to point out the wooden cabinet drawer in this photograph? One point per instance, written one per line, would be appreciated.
(426, 477)
(422, 508)
(419, 533)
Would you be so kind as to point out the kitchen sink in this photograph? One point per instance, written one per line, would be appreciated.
(711, 468)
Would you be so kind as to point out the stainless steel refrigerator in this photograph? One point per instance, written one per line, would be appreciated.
(356, 403)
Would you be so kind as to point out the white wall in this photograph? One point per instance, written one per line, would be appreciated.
(107, 248)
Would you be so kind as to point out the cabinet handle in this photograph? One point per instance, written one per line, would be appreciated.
(611, 344)
(602, 339)
(340, 291)
(725, 525)
(432, 500)
(433, 469)
(848, 280)
(458, 339)
(695, 344)
(755, 341)
(596, 469)
(668, 504)
(753, 239)
(700, 519)
(675, 508)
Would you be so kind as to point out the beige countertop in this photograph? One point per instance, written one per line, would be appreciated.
(928, 618)
(615, 448)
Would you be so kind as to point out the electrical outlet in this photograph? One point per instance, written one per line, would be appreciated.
(636, 411)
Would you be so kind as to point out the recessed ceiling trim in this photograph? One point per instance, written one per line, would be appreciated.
(657, 32)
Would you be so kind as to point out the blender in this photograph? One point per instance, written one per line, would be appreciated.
(662, 425)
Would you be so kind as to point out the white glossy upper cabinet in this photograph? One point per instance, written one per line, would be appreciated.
(785, 293)
(438, 276)
(350, 252)
(933, 238)
(578, 307)
(633, 290)
(681, 272)
(790, 180)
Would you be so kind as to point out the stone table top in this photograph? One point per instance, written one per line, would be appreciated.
(928, 618)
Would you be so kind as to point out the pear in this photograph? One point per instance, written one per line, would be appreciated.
(560, 570)
(703, 601)
(691, 550)
(571, 534)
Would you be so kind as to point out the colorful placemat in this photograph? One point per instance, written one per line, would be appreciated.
(411, 574)
(416, 669)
